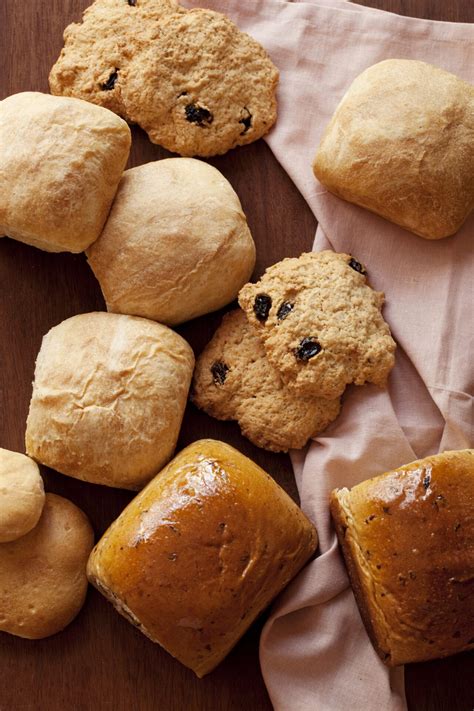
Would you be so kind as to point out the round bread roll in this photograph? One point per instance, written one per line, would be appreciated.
(176, 244)
(43, 574)
(21, 495)
(61, 160)
(108, 398)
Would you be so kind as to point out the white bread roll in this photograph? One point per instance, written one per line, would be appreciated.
(43, 579)
(61, 160)
(21, 495)
(108, 398)
(176, 244)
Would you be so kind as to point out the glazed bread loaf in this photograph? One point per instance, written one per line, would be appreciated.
(401, 144)
(108, 398)
(61, 160)
(200, 552)
(408, 541)
(176, 244)
(21, 495)
(43, 579)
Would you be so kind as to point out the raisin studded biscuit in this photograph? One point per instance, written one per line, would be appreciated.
(234, 380)
(203, 87)
(321, 323)
(96, 50)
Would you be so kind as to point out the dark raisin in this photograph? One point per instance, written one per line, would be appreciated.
(427, 480)
(110, 83)
(132, 3)
(219, 372)
(172, 556)
(284, 310)
(246, 121)
(386, 510)
(183, 93)
(308, 348)
(457, 526)
(357, 266)
(198, 114)
(262, 306)
(370, 518)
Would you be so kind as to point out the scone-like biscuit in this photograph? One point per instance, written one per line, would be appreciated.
(43, 581)
(108, 398)
(21, 495)
(96, 50)
(204, 87)
(234, 380)
(321, 323)
(401, 144)
(408, 541)
(61, 160)
(176, 244)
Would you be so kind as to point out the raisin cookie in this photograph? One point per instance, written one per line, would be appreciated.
(234, 380)
(204, 87)
(96, 50)
(321, 323)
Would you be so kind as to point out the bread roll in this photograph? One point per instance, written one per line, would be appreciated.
(43, 579)
(408, 541)
(200, 552)
(61, 160)
(21, 495)
(401, 144)
(176, 244)
(108, 398)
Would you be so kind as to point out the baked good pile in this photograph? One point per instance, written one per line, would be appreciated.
(211, 539)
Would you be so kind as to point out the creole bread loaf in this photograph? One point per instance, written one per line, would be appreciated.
(201, 551)
(108, 398)
(21, 495)
(61, 160)
(401, 144)
(176, 244)
(408, 541)
(43, 581)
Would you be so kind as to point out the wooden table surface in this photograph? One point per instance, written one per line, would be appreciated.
(101, 661)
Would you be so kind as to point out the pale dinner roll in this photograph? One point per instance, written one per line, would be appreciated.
(200, 552)
(176, 244)
(61, 160)
(108, 398)
(401, 144)
(43, 581)
(21, 495)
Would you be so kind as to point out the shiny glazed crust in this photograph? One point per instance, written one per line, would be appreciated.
(61, 160)
(401, 144)
(408, 542)
(201, 551)
(108, 398)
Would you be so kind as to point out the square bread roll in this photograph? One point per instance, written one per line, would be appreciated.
(108, 398)
(61, 160)
(200, 552)
(401, 144)
(408, 541)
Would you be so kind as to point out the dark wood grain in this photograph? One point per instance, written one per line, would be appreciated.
(101, 661)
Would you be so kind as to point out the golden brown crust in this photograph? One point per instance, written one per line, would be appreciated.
(61, 160)
(43, 581)
(401, 144)
(200, 552)
(108, 398)
(408, 541)
(176, 244)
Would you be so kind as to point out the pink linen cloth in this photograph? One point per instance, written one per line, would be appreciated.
(315, 654)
